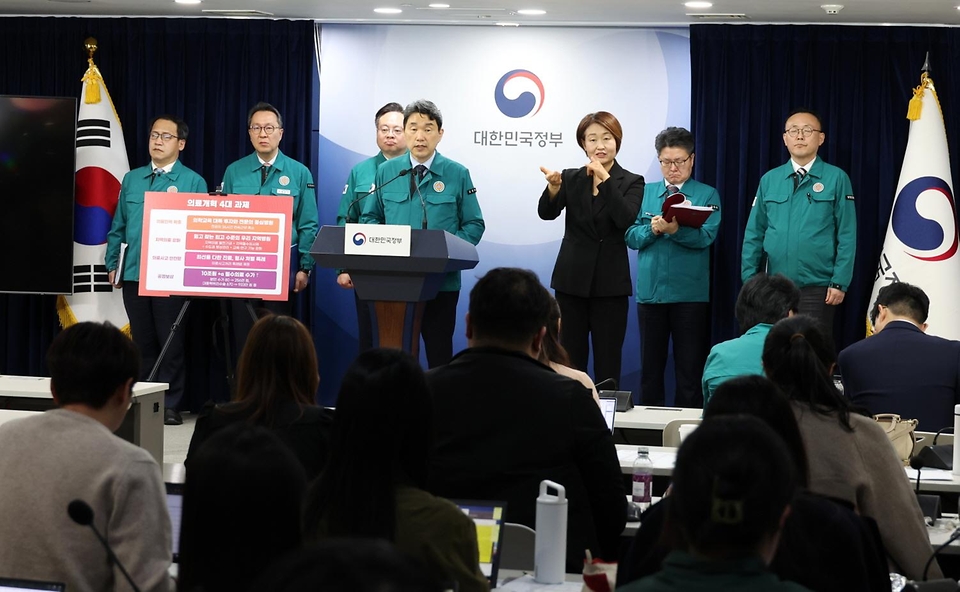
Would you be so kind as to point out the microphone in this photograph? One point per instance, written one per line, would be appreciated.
(81, 513)
(402, 173)
(916, 463)
(953, 537)
(605, 382)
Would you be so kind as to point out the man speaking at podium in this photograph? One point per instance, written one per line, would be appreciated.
(151, 317)
(438, 195)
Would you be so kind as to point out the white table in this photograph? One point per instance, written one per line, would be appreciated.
(644, 417)
(143, 424)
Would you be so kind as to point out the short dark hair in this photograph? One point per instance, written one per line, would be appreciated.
(733, 479)
(605, 120)
(388, 108)
(806, 110)
(758, 396)
(509, 304)
(674, 137)
(423, 107)
(88, 362)
(766, 299)
(262, 106)
(182, 130)
(903, 299)
(241, 508)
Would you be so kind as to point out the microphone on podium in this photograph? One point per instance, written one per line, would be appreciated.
(81, 513)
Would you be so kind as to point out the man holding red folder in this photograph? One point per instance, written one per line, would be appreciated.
(673, 274)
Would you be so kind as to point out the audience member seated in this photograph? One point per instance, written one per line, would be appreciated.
(277, 381)
(373, 485)
(824, 546)
(347, 565)
(241, 509)
(71, 453)
(763, 300)
(554, 355)
(901, 369)
(851, 458)
(505, 421)
(732, 487)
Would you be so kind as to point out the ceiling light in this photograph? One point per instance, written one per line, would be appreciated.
(187, 1)
(438, 5)
(698, 4)
(387, 10)
(531, 12)
(508, 24)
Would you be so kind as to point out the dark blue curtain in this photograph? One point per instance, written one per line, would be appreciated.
(746, 79)
(210, 72)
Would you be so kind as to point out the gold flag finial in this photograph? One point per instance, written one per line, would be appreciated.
(916, 103)
(92, 77)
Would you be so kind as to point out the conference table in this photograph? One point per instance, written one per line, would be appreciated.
(644, 423)
(143, 424)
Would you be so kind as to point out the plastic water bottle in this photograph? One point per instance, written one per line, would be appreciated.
(642, 478)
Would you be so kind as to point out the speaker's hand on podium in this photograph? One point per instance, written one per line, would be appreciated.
(344, 281)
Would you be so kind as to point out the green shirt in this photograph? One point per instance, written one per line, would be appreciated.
(359, 185)
(736, 357)
(286, 177)
(449, 195)
(683, 572)
(127, 223)
(674, 267)
(808, 234)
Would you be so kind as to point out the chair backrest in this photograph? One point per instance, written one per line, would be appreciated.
(519, 545)
(671, 431)
(924, 439)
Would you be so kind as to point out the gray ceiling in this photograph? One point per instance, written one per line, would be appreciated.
(488, 12)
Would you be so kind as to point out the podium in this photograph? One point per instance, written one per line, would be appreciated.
(398, 286)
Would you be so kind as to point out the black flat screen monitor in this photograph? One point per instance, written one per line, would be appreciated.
(37, 166)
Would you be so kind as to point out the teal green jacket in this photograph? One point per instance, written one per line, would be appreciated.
(674, 268)
(736, 357)
(448, 192)
(808, 234)
(286, 177)
(359, 184)
(683, 572)
(127, 223)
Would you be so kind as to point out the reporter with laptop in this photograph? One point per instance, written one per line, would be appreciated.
(71, 453)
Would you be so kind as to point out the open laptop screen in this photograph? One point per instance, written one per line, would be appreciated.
(9, 585)
(175, 508)
(609, 408)
(488, 516)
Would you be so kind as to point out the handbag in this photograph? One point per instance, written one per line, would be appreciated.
(900, 431)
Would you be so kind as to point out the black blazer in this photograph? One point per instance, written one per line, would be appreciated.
(903, 370)
(503, 422)
(593, 255)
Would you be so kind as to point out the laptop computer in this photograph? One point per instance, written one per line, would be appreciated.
(11, 585)
(488, 516)
(175, 509)
(608, 405)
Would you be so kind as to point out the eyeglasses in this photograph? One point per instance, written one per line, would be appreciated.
(166, 137)
(677, 163)
(267, 129)
(397, 131)
(793, 132)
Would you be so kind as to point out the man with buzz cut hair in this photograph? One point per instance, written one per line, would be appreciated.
(763, 300)
(803, 223)
(901, 369)
(360, 185)
(71, 453)
(503, 421)
(151, 318)
(439, 195)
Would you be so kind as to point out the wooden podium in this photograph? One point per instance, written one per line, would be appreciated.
(398, 286)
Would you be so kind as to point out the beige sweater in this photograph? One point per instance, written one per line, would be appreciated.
(862, 468)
